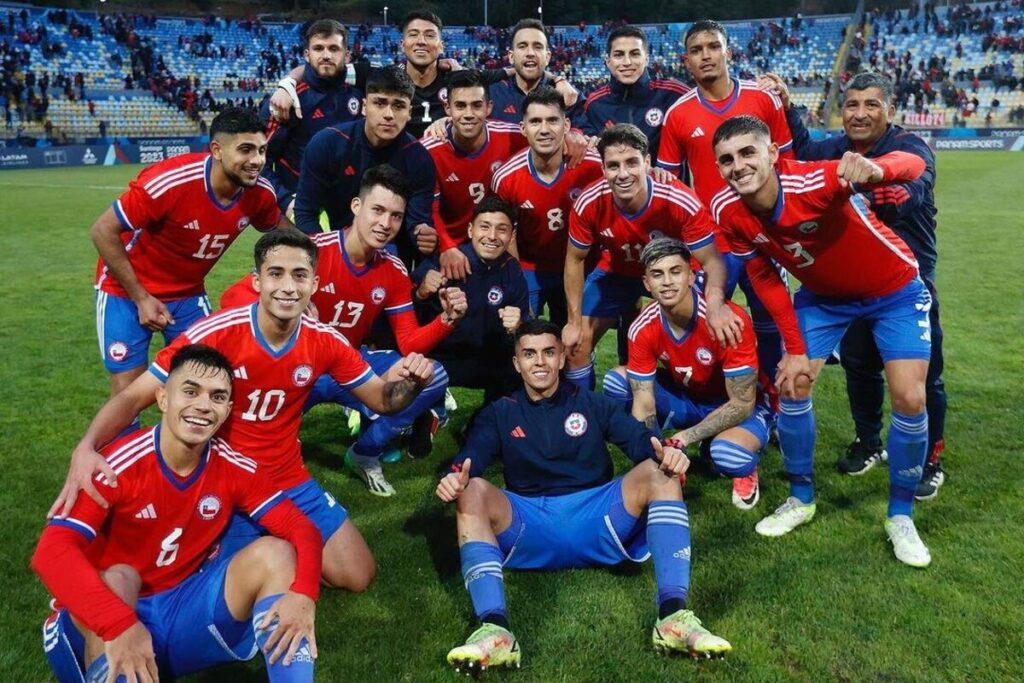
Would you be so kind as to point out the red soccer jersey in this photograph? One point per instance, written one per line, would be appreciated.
(176, 229)
(350, 299)
(242, 293)
(826, 236)
(161, 524)
(271, 387)
(691, 122)
(671, 211)
(543, 207)
(699, 365)
(463, 179)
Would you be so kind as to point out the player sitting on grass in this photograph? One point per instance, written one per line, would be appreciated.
(141, 588)
(708, 391)
(561, 507)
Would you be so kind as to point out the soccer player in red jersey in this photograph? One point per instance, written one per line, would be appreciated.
(621, 214)
(707, 390)
(277, 353)
(686, 139)
(809, 217)
(140, 583)
(540, 182)
(161, 237)
(466, 159)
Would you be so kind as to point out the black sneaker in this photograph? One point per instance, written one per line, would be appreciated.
(931, 481)
(421, 440)
(860, 458)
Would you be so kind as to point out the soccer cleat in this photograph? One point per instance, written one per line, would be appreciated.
(450, 404)
(421, 440)
(371, 474)
(682, 632)
(932, 480)
(786, 517)
(906, 544)
(488, 646)
(746, 491)
(860, 458)
(355, 422)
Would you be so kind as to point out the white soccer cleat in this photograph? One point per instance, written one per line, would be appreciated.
(370, 473)
(786, 517)
(450, 404)
(906, 543)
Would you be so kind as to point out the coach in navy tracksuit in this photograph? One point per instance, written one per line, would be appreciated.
(336, 158)
(909, 209)
(632, 96)
(325, 100)
(478, 353)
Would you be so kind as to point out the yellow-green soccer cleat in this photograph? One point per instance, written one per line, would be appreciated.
(682, 632)
(488, 646)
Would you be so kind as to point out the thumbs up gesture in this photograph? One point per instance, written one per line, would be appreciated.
(454, 483)
(672, 460)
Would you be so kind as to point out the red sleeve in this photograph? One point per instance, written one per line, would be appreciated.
(775, 297)
(286, 521)
(643, 361)
(900, 166)
(414, 338)
(242, 293)
(161, 365)
(269, 213)
(670, 153)
(445, 240)
(741, 359)
(580, 234)
(779, 127)
(345, 365)
(698, 229)
(136, 209)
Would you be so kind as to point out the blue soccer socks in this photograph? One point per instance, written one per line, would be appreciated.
(300, 670)
(481, 570)
(796, 437)
(668, 539)
(907, 446)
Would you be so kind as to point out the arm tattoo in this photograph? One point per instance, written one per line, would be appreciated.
(398, 395)
(643, 397)
(742, 392)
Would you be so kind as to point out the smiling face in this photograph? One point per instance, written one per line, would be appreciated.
(538, 360)
(421, 42)
(627, 60)
(625, 169)
(529, 54)
(241, 156)
(286, 280)
(377, 216)
(544, 126)
(469, 109)
(327, 54)
(195, 401)
(490, 234)
(669, 280)
(747, 162)
(866, 115)
(707, 57)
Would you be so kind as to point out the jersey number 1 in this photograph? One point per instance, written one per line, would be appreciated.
(211, 246)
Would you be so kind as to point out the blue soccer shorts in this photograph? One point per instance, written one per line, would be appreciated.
(323, 509)
(589, 528)
(899, 322)
(191, 627)
(607, 295)
(124, 343)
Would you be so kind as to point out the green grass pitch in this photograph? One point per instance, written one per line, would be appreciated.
(827, 603)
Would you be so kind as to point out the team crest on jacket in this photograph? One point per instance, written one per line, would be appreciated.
(208, 507)
(243, 223)
(704, 357)
(495, 166)
(117, 351)
(301, 375)
(576, 424)
(654, 116)
(377, 294)
(353, 106)
(442, 95)
(495, 295)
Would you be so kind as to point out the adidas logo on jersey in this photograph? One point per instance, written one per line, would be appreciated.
(328, 288)
(452, 178)
(761, 238)
(192, 224)
(148, 512)
(607, 232)
(698, 133)
(526, 205)
(240, 373)
(318, 114)
(518, 433)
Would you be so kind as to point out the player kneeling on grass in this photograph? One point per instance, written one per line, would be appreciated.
(140, 592)
(707, 390)
(561, 507)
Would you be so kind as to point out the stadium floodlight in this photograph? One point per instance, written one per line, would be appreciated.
(385, 15)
